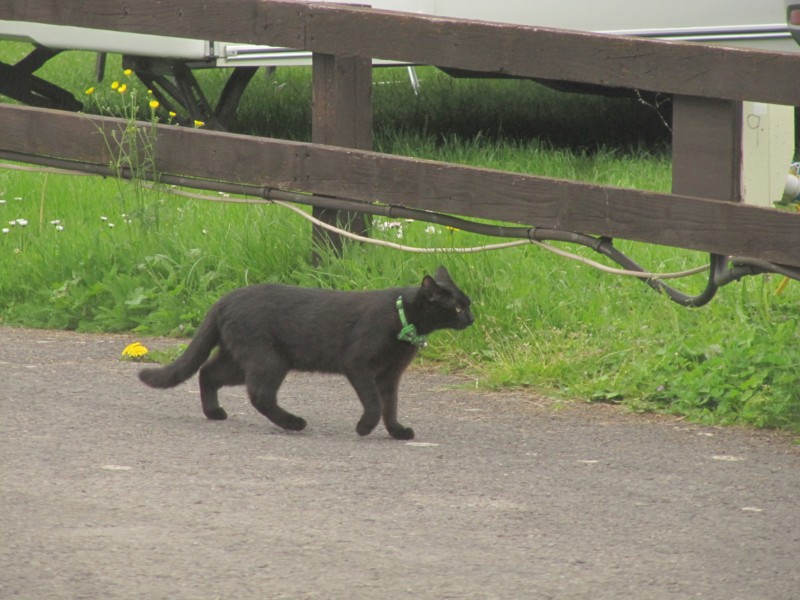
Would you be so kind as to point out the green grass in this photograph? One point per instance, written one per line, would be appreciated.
(543, 322)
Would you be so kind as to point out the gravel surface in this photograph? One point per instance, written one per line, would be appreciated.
(113, 490)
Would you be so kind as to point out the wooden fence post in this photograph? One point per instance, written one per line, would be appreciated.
(707, 148)
(341, 116)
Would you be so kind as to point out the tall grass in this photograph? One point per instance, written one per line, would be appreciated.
(543, 322)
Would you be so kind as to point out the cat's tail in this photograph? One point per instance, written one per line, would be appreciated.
(187, 364)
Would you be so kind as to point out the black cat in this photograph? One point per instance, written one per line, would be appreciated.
(265, 331)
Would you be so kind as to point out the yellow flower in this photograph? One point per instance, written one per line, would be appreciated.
(90, 91)
(127, 72)
(135, 350)
(122, 88)
(115, 85)
(173, 114)
(154, 104)
(149, 92)
(198, 123)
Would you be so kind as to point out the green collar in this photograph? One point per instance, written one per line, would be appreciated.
(409, 331)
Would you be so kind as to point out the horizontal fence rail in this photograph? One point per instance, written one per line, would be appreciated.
(693, 223)
(520, 51)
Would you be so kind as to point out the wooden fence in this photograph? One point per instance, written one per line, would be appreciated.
(708, 85)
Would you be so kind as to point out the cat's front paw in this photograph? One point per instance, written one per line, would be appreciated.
(402, 433)
(216, 414)
(293, 423)
(365, 427)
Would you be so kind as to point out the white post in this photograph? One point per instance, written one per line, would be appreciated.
(767, 151)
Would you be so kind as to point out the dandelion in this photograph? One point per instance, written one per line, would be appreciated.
(5, 230)
(127, 72)
(115, 85)
(153, 104)
(199, 123)
(22, 222)
(122, 88)
(135, 351)
(89, 91)
(59, 228)
(173, 114)
(104, 218)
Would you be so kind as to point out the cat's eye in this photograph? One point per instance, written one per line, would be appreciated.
(459, 309)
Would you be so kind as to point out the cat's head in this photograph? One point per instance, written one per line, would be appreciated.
(443, 305)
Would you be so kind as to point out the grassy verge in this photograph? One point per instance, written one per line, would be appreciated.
(77, 256)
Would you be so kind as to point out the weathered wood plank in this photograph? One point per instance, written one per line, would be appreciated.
(679, 68)
(280, 23)
(673, 220)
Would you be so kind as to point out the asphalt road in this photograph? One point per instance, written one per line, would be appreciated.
(111, 490)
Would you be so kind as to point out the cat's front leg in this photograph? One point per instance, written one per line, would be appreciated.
(388, 387)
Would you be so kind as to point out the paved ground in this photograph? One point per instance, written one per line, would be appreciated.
(112, 490)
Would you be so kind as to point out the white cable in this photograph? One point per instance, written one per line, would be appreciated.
(361, 238)
(548, 247)
(614, 271)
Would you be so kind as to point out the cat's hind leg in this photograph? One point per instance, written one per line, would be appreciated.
(364, 385)
(220, 370)
(263, 380)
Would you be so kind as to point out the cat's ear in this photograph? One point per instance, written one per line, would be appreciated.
(430, 288)
(442, 276)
